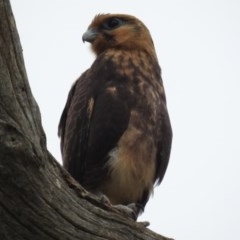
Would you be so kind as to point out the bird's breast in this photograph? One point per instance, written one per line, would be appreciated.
(131, 167)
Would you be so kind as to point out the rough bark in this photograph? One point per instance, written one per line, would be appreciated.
(38, 198)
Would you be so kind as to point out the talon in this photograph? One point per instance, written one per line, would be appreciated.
(129, 211)
(145, 223)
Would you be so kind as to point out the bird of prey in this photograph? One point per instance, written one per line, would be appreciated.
(115, 129)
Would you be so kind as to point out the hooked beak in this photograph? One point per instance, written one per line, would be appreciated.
(89, 35)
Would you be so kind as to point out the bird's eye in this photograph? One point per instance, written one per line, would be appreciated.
(112, 23)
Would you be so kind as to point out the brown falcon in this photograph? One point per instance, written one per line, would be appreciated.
(115, 129)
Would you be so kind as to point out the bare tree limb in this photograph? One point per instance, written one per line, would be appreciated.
(38, 198)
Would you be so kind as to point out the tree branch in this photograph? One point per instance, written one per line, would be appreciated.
(38, 198)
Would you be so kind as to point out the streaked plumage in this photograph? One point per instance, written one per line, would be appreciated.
(115, 129)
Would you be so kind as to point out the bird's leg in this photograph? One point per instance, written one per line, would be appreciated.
(131, 210)
(103, 198)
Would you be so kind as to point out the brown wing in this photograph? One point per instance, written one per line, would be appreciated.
(73, 127)
(92, 122)
(63, 119)
(164, 144)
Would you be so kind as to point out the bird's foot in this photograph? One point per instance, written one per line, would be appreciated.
(144, 223)
(131, 210)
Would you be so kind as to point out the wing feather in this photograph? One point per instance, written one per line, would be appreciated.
(73, 127)
(94, 118)
(164, 145)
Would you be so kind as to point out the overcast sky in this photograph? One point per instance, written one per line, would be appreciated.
(198, 46)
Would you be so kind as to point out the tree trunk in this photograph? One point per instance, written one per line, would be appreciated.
(38, 198)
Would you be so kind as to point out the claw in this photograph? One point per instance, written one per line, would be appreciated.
(145, 223)
(127, 210)
(131, 210)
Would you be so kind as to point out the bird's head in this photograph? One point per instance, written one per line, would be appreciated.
(118, 31)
